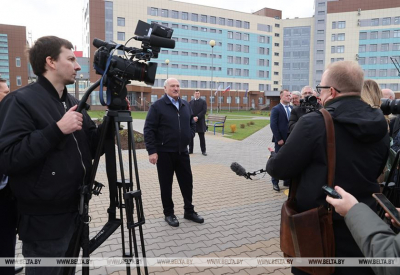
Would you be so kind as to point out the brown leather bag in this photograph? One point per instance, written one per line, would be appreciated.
(309, 234)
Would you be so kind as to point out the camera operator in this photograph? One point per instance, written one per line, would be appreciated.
(372, 235)
(360, 133)
(46, 149)
(308, 103)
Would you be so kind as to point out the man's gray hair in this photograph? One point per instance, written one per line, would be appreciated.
(306, 87)
(296, 93)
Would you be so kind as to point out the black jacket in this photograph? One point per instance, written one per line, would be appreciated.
(199, 108)
(362, 146)
(166, 129)
(45, 167)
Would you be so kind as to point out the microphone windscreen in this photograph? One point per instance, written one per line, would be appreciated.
(157, 41)
(238, 169)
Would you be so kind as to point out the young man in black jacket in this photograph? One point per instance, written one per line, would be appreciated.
(46, 149)
(168, 129)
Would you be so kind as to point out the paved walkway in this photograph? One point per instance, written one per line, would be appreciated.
(242, 217)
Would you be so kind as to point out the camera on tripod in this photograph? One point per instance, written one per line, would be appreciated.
(309, 103)
(118, 71)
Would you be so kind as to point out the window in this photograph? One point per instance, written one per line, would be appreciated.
(203, 18)
(373, 35)
(204, 29)
(121, 21)
(19, 81)
(175, 66)
(373, 47)
(321, 4)
(246, 48)
(261, 74)
(276, 54)
(334, 25)
(185, 16)
(230, 22)
(194, 28)
(238, 72)
(238, 23)
(246, 60)
(276, 34)
(194, 41)
(386, 21)
(185, 66)
(212, 99)
(320, 32)
(261, 50)
(333, 37)
(320, 41)
(333, 49)
(396, 33)
(276, 63)
(261, 87)
(372, 61)
(174, 52)
(276, 44)
(195, 17)
(321, 12)
(245, 72)
(383, 60)
(340, 37)
(175, 14)
(372, 73)
(261, 39)
(17, 62)
(164, 13)
(384, 47)
(213, 30)
(246, 37)
(238, 60)
(203, 42)
(222, 21)
(397, 20)
(396, 47)
(185, 40)
(340, 49)
(362, 48)
(363, 35)
(230, 35)
(375, 22)
(230, 59)
(261, 62)
(386, 34)
(203, 55)
(361, 61)
(230, 47)
(185, 27)
(238, 48)
(185, 53)
(229, 71)
(203, 84)
(153, 98)
(238, 36)
(154, 11)
(341, 24)
(246, 25)
(175, 26)
(121, 36)
(321, 21)
(213, 20)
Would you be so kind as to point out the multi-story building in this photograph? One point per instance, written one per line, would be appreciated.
(13, 62)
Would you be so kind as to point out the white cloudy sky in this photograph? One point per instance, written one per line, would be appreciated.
(64, 18)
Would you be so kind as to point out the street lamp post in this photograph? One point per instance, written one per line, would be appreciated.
(212, 44)
(167, 62)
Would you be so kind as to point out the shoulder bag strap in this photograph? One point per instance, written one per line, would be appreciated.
(330, 151)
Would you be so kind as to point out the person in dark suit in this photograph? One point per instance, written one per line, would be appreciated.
(279, 125)
(167, 131)
(199, 108)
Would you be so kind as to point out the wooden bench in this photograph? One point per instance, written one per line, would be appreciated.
(216, 121)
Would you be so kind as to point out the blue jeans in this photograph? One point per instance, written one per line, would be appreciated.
(47, 249)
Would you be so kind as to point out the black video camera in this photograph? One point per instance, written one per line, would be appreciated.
(309, 103)
(118, 71)
(390, 106)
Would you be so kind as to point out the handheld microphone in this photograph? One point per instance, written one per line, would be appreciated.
(238, 169)
(157, 41)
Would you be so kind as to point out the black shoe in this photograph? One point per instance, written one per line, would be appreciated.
(275, 186)
(18, 269)
(172, 220)
(204, 154)
(194, 217)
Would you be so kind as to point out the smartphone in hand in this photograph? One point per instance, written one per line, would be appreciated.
(331, 192)
(388, 206)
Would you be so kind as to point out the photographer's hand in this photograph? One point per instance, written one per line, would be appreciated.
(395, 224)
(153, 158)
(71, 121)
(343, 205)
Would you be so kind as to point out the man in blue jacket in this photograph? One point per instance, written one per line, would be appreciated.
(168, 129)
(280, 115)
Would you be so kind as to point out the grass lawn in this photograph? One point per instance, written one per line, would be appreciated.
(234, 117)
(240, 133)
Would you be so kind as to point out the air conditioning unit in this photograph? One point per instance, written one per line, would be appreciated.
(359, 11)
(358, 22)
(357, 56)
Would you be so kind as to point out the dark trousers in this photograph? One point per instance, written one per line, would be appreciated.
(202, 143)
(47, 249)
(167, 165)
(8, 220)
(274, 180)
